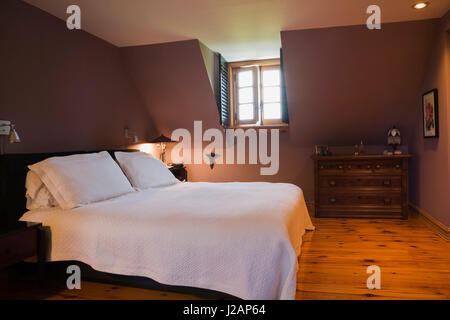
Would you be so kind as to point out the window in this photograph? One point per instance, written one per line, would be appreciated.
(251, 93)
(256, 93)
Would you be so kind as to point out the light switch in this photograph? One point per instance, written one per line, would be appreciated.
(4, 127)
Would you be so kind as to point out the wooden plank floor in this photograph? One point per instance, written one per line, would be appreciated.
(414, 262)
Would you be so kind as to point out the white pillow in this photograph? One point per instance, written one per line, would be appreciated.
(82, 178)
(144, 171)
(37, 193)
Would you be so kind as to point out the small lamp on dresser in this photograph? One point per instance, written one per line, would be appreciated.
(394, 139)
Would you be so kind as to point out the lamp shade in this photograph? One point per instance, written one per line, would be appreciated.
(162, 138)
(13, 135)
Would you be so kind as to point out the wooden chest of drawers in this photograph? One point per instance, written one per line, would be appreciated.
(369, 186)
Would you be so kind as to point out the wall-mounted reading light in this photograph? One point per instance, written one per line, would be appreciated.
(8, 129)
(420, 5)
(212, 158)
(133, 136)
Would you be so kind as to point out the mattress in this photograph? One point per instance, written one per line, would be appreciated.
(239, 238)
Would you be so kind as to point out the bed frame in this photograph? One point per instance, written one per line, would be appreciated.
(13, 171)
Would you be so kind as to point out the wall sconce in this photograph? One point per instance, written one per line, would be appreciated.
(8, 129)
(162, 140)
(127, 135)
(212, 158)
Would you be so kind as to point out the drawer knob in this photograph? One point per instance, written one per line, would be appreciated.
(397, 166)
(321, 167)
(349, 166)
(340, 167)
(332, 183)
(332, 200)
(369, 166)
(387, 182)
(387, 201)
(378, 166)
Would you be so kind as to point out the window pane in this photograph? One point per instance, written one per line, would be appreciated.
(271, 78)
(246, 112)
(271, 94)
(246, 95)
(245, 78)
(272, 111)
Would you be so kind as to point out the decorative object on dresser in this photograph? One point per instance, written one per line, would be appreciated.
(359, 149)
(322, 150)
(366, 186)
(394, 139)
(430, 114)
(19, 241)
(179, 171)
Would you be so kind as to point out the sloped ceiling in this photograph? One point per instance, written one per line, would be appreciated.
(173, 83)
(239, 29)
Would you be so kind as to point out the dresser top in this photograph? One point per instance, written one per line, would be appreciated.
(362, 157)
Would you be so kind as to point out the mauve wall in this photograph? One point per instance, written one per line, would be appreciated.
(343, 84)
(430, 169)
(64, 90)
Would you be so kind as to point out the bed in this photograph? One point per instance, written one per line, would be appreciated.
(242, 239)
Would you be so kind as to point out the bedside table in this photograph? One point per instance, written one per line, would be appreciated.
(179, 171)
(19, 241)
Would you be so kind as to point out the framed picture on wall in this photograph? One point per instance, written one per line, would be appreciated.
(430, 114)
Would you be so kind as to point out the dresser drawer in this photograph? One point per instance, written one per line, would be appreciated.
(18, 246)
(391, 200)
(361, 167)
(392, 167)
(331, 167)
(387, 167)
(372, 182)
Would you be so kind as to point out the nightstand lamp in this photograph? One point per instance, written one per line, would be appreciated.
(162, 140)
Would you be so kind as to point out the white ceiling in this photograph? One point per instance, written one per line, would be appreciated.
(239, 29)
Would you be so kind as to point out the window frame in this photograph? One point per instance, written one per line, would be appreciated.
(258, 119)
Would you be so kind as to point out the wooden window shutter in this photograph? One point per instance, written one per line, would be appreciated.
(284, 104)
(223, 91)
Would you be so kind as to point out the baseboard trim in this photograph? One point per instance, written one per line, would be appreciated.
(435, 225)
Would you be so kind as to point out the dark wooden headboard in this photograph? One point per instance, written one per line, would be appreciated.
(13, 171)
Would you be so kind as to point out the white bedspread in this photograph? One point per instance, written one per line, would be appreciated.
(239, 238)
